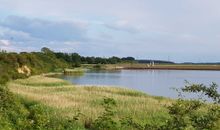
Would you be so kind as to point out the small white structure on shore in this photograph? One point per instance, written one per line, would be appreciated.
(150, 64)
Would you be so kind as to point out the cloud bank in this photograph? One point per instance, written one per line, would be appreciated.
(183, 30)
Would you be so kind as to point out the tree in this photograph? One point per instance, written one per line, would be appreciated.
(128, 59)
(46, 50)
(76, 59)
(114, 60)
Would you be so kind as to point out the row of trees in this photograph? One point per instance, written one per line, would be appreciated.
(76, 59)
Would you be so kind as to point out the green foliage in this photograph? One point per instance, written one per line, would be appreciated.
(12, 111)
(185, 114)
(39, 116)
(18, 113)
(106, 120)
(4, 78)
(190, 114)
(128, 59)
(97, 66)
(75, 59)
(4, 123)
(211, 91)
(38, 62)
(195, 113)
(129, 123)
(47, 51)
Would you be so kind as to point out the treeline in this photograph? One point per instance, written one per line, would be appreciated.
(76, 60)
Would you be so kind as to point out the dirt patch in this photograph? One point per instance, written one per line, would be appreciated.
(24, 70)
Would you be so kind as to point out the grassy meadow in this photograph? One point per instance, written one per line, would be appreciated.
(67, 99)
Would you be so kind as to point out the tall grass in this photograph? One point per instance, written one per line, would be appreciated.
(67, 99)
(74, 71)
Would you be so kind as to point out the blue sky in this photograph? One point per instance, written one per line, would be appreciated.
(179, 30)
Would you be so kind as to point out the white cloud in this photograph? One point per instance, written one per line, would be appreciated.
(5, 42)
(71, 43)
(44, 29)
(123, 26)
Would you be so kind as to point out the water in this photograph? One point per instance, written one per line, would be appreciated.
(153, 82)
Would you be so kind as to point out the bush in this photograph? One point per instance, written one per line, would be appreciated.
(106, 120)
(97, 66)
(4, 78)
(39, 117)
(195, 113)
(13, 112)
(129, 123)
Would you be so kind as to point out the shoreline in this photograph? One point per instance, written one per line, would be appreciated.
(171, 69)
(162, 67)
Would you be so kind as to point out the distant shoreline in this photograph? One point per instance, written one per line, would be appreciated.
(163, 67)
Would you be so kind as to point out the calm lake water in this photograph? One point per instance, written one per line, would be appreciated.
(153, 82)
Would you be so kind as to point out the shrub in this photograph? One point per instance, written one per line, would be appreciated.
(97, 66)
(129, 123)
(13, 112)
(106, 121)
(195, 113)
(4, 78)
(38, 116)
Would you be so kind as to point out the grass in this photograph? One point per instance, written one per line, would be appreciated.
(67, 99)
(74, 71)
(41, 81)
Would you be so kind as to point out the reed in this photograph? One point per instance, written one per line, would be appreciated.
(67, 99)
(74, 71)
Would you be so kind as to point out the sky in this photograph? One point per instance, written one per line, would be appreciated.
(176, 30)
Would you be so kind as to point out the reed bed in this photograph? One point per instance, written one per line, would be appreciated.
(67, 99)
